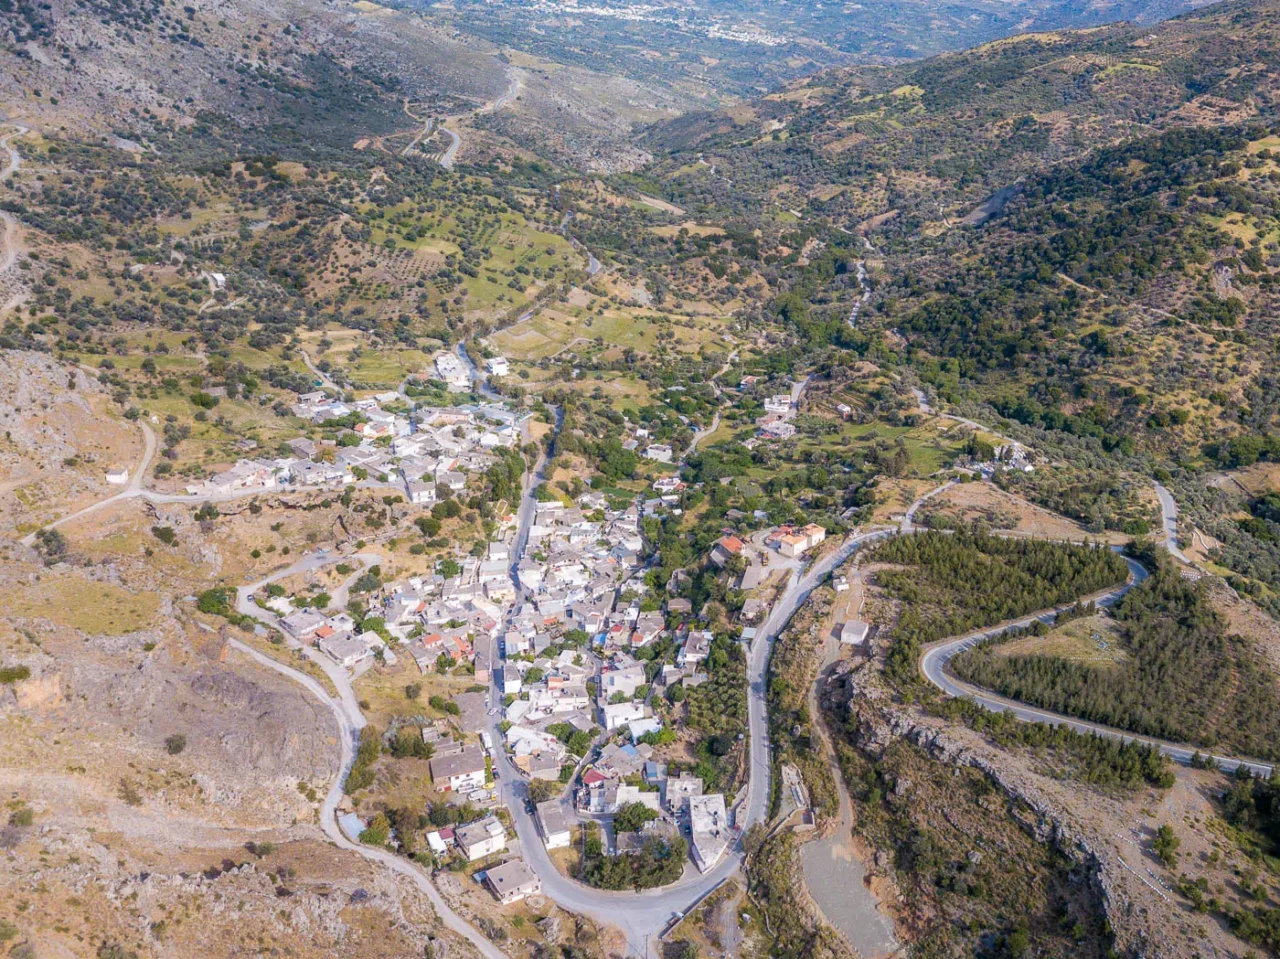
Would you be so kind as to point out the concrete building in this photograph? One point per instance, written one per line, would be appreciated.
(512, 881)
(552, 825)
(708, 830)
(344, 649)
(678, 791)
(482, 838)
(619, 714)
(461, 772)
(854, 632)
(450, 369)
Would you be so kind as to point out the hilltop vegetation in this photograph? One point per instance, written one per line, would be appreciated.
(946, 585)
(1119, 283)
(1185, 677)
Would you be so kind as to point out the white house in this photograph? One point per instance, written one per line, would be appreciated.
(854, 632)
(482, 838)
(450, 369)
(498, 366)
(512, 881)
(695, 649)
(552, 824)
(461, 772)
(619, 714)
(708, 830)
(420, 493)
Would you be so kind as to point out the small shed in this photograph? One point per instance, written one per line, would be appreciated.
(854, 632)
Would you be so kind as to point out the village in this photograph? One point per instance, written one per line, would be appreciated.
(556, 622)
(380, 440)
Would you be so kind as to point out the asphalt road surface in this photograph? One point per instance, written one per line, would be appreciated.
(935, 666)
(1169, 521)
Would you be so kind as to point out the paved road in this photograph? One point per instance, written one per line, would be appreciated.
(701, 435)
(973, 424)
(935, 666)
(1169, 520)
(642, 916)
(866, 293)
(450, 154)
(479, 380)
(422, 134)
(348, 735)
(514, 85)
(192, 499)
(593, 265)
(245, 606)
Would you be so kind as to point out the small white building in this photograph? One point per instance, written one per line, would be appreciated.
(420, 493)
(552, 824)
(619, 714)
(854, 632)
(482, 838)
(118, 475)
(498, 366)
(708, 830)
(512, 881)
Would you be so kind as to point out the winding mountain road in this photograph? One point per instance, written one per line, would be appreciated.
(323, 377)
(132, 490)
(909, 518)
(350, 720)
(702, 434)
(515, 83)
(935, 665)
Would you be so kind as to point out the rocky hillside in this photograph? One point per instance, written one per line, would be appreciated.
(1077, 228)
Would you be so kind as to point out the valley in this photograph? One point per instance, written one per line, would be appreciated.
(562, 481)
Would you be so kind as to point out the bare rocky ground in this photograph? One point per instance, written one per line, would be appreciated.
(132, 843)
(115, 831)
(57, 438)
(96, 69)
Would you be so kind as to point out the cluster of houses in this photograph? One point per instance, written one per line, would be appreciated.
(450, 616)
(1008, 456)
(580, 572)
(776, 423)
(793, 541)
(640, 439)
(451, 442)
(335, 635)
(434, 448)
(788, 540)
(610, 785)
(450, 370)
